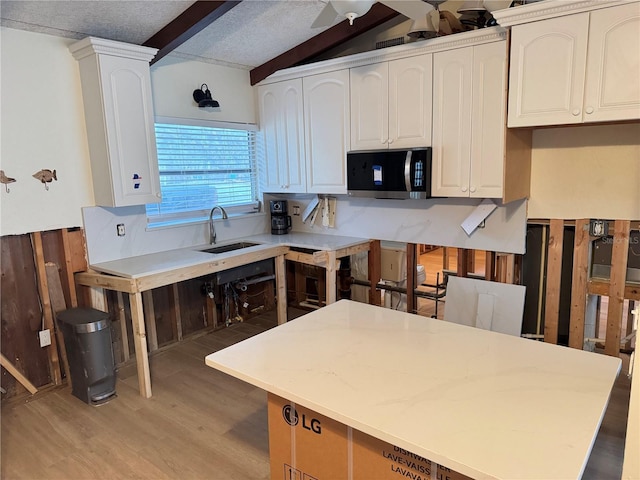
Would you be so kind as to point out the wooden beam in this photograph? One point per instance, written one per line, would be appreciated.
(554, 275)
(176, 320)
(601, 287)
(319, 44)
(140, 343)
(489, 266)
(194, 19)
(122, 319)
(579, 284)
(43, 289)
(24, 381)
(281, 289)
(411, 277)
(150, 320)
(58, 304)
(619, 255)
(375, 271)
(463, 262)
(68, 258)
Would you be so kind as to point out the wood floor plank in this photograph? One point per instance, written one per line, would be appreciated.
(199, 424)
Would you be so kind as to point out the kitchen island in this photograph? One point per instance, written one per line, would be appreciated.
(135, 275)
(483, 404)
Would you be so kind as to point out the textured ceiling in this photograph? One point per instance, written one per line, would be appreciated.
(250, 34)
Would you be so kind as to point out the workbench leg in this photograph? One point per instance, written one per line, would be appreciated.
(140, 343)
(281, 289)
(331, 285)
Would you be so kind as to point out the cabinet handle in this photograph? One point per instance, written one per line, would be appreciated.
(589, 110)
(472, 189)
(390, 141)
(576, 112)
(464, 189)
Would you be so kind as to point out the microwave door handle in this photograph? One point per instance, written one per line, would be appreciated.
(407, 172)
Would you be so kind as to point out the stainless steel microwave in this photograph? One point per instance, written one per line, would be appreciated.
(390, 173)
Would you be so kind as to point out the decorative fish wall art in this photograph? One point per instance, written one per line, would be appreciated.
(6, 180)
(45, 176)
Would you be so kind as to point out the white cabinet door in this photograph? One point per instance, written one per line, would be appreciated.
(370, 106)
(452, 74)
(547, 71)
(488, 120)
(327, 122)
(612, 89)
(118, 106)
(410, 97)
(282, 124)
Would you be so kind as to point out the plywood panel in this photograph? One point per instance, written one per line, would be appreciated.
(21, 314)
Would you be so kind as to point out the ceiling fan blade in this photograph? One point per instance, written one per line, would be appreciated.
(413, 9)
(327, 16)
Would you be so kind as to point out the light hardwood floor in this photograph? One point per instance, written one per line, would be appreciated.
(199, 424)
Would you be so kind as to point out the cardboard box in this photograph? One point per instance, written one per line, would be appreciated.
(305, 445)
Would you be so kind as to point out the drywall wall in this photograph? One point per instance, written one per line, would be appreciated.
(42, 127)
(586, 172)
(173, 80)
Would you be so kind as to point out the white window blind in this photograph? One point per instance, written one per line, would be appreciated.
(201, 167)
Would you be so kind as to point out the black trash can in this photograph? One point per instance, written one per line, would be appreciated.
(87, 339)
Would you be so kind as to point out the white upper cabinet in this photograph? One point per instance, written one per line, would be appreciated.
(327, 126)
(116, 91)
(469, 132)
(613, 65)
(282, 124)
(391, 104)
(577, 68)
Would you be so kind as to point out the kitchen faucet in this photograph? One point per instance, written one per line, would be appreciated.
(212, 231)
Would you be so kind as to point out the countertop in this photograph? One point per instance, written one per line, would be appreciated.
(167, 261)
(482, 403)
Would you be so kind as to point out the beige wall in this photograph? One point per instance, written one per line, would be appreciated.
(586, 172)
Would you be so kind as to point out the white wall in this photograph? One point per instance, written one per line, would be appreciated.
(173, 81)
(42, 126)
(586, 172)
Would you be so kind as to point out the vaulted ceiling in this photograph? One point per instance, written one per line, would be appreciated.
(260, 35)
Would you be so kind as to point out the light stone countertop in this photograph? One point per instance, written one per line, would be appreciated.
(163, 262)
(484, 404)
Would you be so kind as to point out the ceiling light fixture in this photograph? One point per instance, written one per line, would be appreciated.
(202, 96)
(352, 9)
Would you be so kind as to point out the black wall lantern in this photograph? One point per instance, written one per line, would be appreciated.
(202, 96)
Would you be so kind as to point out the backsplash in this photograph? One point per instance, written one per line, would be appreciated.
(103, 243)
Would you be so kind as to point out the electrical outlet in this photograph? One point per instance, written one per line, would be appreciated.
(120, 229)
(296, 210)
(45, 338)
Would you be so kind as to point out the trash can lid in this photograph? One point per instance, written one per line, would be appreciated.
(84, 320)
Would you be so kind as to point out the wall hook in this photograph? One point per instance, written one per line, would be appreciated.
(6, 180)
(45, 176)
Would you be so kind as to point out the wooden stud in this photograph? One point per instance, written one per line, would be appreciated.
(150, 320)
(599, 287)
(43, 290)
(411, 277)
(463, 262)
(629, 345)
(24, 381)
(581, 246)
(281, 289)
(330, 275)
(176, 317)
(66, 244)
(375, 272)
(554, 275)
(489, 266)
(140, 343)
(471, 261)
(212, 312)
(445, 258)
(58, 305)
(617, 282)
(122, 318)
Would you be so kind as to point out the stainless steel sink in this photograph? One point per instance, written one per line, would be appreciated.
(230, 247)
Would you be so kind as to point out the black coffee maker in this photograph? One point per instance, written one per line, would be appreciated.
(280, 221)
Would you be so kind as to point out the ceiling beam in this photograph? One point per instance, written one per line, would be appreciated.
(195, 18)
(330, 38)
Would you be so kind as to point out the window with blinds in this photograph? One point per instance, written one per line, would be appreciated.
(201, 167)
